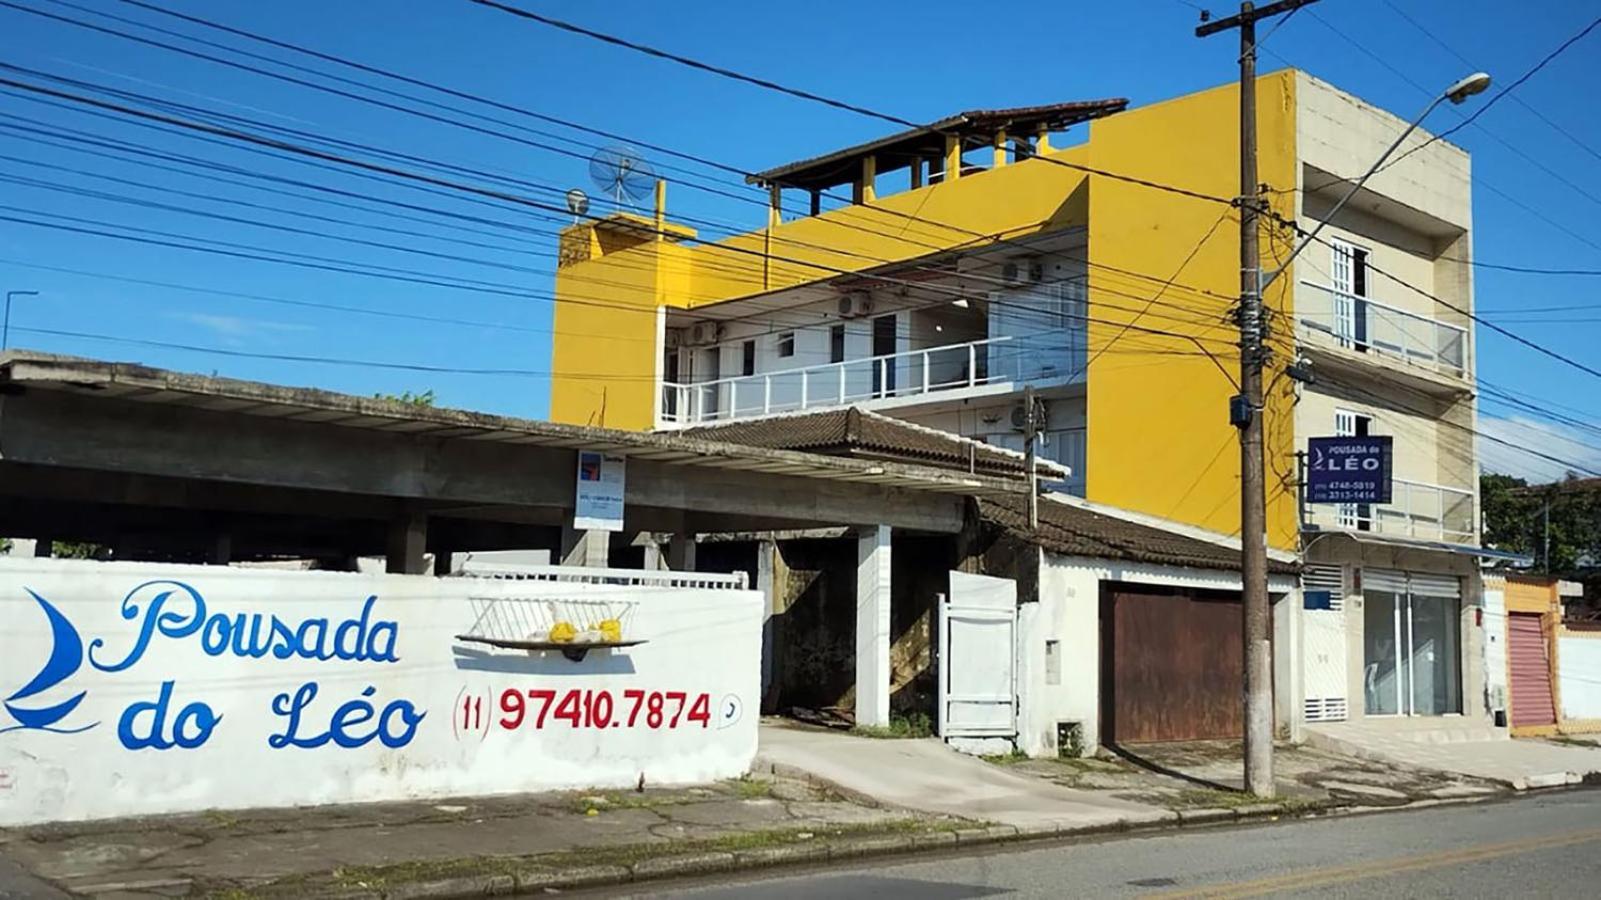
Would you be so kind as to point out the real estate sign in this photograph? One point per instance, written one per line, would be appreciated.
(1349, 469)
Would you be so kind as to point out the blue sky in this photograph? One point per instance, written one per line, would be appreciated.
(1536, 191)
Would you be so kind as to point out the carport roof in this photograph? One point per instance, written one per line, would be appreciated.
(136, 382)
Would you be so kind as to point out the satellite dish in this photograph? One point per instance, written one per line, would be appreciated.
(620, 171)
(577, 203)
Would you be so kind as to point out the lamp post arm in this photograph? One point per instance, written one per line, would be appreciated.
(1325, 220)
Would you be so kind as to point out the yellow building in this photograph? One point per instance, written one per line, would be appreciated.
(1091, 251)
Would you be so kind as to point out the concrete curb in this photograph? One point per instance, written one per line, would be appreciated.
(851, 849)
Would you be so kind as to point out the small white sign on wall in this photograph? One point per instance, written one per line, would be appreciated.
(601, 479)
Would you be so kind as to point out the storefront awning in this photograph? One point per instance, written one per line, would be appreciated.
(1424, 544)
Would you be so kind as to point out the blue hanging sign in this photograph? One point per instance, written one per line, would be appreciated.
(1349, 469)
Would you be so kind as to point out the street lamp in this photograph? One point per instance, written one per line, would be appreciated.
(5, 330)
(1456, 93)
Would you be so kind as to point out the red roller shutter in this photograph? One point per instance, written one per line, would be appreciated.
(1531, 672)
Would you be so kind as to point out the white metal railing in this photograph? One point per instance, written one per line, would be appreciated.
(597, 575)
(908, 374)
(1416, 509)
(1367, 325)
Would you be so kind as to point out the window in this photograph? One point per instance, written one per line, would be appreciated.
(1354, 424)
(1348, 274)
(786, 344)
(836, 344)
(748, 363)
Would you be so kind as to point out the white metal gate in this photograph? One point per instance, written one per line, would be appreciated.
(977, 692)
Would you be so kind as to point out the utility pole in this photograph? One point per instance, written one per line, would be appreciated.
(1031, 430)
(1245, 413)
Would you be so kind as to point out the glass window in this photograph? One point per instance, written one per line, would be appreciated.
(786, 344)
(748, 363)
(836, 344)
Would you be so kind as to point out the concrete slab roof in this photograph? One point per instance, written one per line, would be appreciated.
(148, 385)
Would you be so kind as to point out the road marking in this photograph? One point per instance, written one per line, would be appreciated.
(1309, 878)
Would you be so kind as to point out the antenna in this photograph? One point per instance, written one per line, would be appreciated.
(577, 204)
(620, 171)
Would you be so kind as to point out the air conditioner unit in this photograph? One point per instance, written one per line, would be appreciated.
(674, 338)
(855, 304)
(705, 333)
(1023, 270)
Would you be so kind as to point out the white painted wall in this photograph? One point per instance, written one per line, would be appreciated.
(1495, 660)
(1069, 611)
(1579, 672)
(438, 701)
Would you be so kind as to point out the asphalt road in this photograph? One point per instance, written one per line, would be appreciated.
(1541, 846)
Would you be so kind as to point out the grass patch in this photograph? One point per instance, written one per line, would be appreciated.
(915, 725)
(1007, 759)
(748, 788)
(1571, 741)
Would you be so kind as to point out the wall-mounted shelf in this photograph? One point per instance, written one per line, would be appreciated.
(573, 650)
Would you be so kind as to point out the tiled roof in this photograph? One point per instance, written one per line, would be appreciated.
(1075, 530)
(928, 141)
(859, 432)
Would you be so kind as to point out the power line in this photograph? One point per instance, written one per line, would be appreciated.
(1518, 82)
(1459, 310)
(818, 98)
(381, 168)
(1555, 126)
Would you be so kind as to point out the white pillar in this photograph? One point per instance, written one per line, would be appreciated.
(591, 549)
(872, 625)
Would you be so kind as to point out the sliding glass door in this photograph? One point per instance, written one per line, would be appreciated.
(1411, 643)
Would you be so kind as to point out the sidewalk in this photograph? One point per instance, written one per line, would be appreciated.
(462, 847)
(925, 775)
(1202, 779)
(1522, 763)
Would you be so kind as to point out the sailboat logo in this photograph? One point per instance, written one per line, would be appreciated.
(66, 656)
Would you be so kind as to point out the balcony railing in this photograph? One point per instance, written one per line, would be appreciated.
(1368, 326)
(909, 374)
(1417, 510)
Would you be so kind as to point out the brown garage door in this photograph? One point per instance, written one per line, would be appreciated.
(1170, 665)
(1531, 672)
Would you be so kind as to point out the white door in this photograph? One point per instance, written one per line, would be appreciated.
(1342, 282)
(977, 691)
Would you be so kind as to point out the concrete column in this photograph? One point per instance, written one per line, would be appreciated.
(872, 625)
(408, 543)
(953, 157)
(765, 551)
(999, 148)
(585, 548)
(1042, 142)
(869, 180)
(917, 172)
(444, 561)
(681, 553)
(775, 205)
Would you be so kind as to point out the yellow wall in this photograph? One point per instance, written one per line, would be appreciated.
(1159, 437)
(605, 351)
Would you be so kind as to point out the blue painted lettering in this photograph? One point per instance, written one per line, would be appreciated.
(176, 610)
(190, 728)
(347, 718)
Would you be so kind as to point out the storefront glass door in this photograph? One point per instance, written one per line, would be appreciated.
(1411, 654)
